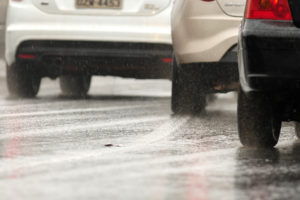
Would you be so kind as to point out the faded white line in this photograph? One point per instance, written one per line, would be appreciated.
(51, 131)
(81, 110)
(156, 136)
(164, 130)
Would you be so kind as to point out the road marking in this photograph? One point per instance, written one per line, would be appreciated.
(163, 131)
(51, 131)
(81, 110)
(157, 135)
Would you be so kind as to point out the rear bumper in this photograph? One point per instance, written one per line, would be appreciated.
(139, 60)
(43, 49)
(269, 56)
(44, 26)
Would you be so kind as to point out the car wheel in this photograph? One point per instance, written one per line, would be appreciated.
(22, 81)
(188, 95)
(75, 85)
(258, 124)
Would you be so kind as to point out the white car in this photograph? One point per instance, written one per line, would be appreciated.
(204, 34)
(75, 39)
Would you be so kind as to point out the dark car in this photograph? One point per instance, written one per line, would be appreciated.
(269, 69)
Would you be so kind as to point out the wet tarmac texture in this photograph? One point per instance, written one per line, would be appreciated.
(123, 142)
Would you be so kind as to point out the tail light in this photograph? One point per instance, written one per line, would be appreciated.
(268, 9)
(167, 60)
(27, 56)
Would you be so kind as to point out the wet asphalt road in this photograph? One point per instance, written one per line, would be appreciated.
(124, 143)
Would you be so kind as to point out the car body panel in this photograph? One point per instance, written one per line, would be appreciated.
(268, 55)
(128, 8)
(202, 31)
(295, 10)
(233, 8)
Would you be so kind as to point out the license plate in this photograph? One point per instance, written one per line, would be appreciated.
(110, 4)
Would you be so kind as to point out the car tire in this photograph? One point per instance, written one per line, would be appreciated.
(22, 81)
(75, 85)
(188, 95)
(258, 123)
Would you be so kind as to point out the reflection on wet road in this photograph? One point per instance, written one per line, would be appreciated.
(124, 143)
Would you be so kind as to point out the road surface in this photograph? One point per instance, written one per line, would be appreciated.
(123, 142)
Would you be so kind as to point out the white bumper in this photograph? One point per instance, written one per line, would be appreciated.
(29, 23)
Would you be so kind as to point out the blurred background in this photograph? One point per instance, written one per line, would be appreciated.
(3, 5)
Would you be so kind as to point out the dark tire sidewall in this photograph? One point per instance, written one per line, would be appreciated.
(22, 80)
(188, 94)
(75, 85)
(258, 124)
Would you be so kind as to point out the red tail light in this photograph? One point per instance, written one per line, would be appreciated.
(26, 56)
(167, 60)
(268, 9)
